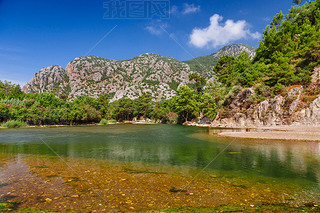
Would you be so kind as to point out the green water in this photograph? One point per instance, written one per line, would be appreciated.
(170, 145)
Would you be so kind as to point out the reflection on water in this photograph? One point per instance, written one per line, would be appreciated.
(190, 147)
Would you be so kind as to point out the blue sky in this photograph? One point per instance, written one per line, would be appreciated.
(36, 34)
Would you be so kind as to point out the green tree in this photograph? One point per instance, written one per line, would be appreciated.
(103, 104)
(200, 81)
(9, 90)
(224, 69)
(232, 71)
(297, 1)
(85, 114)
(47, 99)
(143, 105)
(86, 100)
(123, 109)
(290, 47)
(160, 111)
(208, 106)
(185, 102)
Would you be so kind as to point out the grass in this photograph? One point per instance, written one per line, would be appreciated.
(6, 207)
(12, 208)
(106, 122)
(270, 208)
(14, 124)
(112, 121)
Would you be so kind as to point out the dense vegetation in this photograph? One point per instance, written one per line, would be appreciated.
(287, 54)
(202, 63)
(17, 108)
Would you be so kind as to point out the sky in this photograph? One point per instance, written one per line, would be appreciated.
(36, 34)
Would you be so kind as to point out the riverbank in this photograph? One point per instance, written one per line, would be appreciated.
(89, 124)
(296, 133)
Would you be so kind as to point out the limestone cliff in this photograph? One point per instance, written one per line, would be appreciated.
(94, 76)
(48, 79)
(292, 108)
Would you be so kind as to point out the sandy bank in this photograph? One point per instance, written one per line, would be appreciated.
(301, 133)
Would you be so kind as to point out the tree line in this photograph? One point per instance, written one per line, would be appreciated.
(49, 109)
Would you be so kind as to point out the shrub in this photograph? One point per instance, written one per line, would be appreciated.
(14, 124)
(280, 89)
(263, 90)
(103, 122)
(172, 118)
(112, 121)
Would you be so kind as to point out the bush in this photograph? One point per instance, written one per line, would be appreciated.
(172, 118)
(104, 122)
(14, 124)
(263, 90)
(112, 121)
(280, 89)
(233, 92)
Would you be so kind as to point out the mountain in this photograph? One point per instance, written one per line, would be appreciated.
(93, 76)
(148, 73)
(235, 50)
(209, 61)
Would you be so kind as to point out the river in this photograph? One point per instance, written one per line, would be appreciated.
(152, 151)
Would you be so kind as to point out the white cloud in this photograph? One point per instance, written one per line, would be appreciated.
(174, 9)
(155, 27)
(255, 35)
(190, 8)
(218, 34)
(153, 30)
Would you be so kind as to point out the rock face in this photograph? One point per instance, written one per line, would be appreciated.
(279, 110)
(316, 75)
(47, 79)
(94, 76)
(235, 50)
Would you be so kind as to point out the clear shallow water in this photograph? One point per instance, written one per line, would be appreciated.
(171, 145)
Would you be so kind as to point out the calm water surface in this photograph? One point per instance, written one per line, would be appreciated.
(171, 145)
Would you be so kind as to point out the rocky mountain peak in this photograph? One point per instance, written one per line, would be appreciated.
(94, 76)
(46, 79)
(147, 73)
(235, 50)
